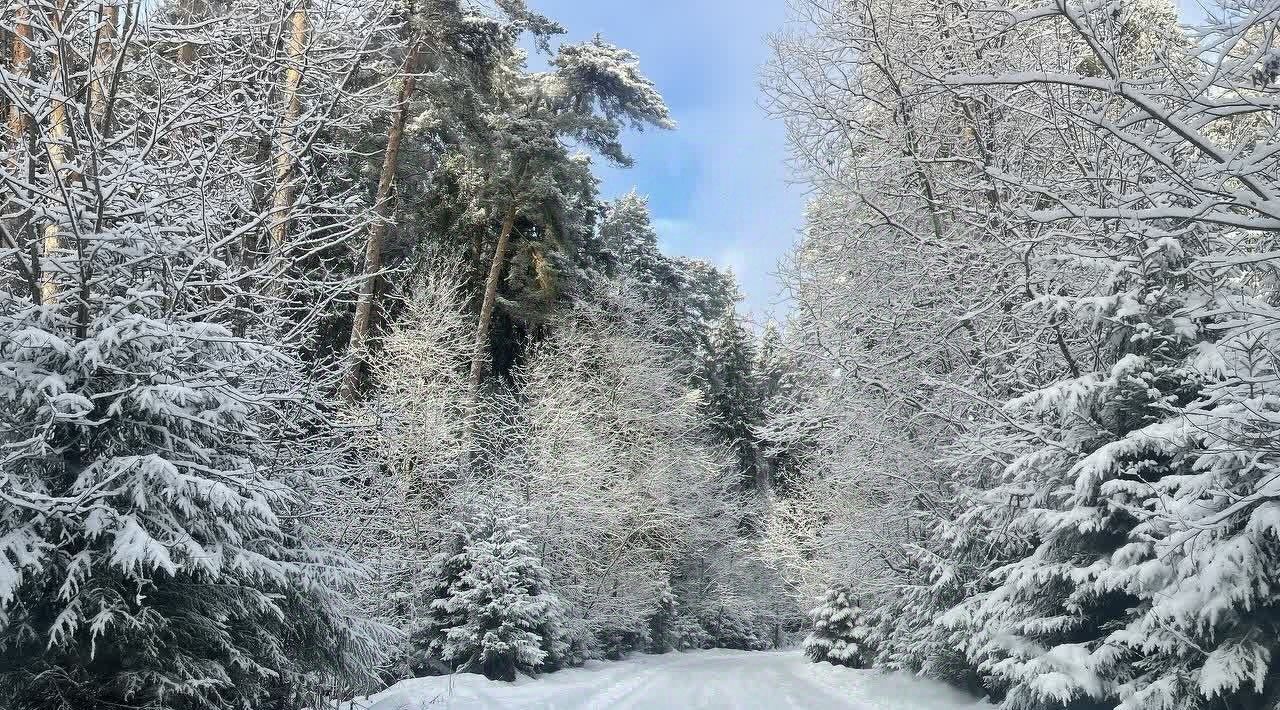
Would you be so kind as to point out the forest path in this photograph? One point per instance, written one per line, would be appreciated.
(714, 680)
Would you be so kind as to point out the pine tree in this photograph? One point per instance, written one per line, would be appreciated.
(592, 92)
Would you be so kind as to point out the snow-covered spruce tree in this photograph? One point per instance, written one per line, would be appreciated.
(840, 630)
(1084, 455)
(1132, 498)
(152, 557)
(671, 628)
(948, 559)
(426, 629)
(1143, 486)
(497, 614)
(662, 622)
(1205, 555)
(732, 396)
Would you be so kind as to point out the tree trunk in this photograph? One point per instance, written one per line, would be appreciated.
(20, 63)
(17, 120)
(103, 57)
(378, 230)
(283, 195)
(57, 137)
(187, 50)
(480, 350)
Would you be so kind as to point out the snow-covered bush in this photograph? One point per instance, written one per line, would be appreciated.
(615, 644)
(729, 628)
(687, 633)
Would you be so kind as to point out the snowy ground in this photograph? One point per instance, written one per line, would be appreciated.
(699, 679)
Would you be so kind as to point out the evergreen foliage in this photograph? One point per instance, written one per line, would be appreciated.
(491, 607)
(840, 633)
(151, 550)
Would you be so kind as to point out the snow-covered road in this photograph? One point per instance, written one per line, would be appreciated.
(701, 679)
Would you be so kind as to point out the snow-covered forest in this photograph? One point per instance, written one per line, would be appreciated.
(326, 364)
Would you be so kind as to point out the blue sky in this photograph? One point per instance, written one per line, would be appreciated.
(717, 184)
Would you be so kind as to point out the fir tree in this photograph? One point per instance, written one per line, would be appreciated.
(148, 558)
(426, 640)
(1084, 455)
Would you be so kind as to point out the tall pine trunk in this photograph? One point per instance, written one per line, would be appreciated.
(286, 146)
(378, 230)
(18, 60)
(480, 350)
(20, 64)
(187, 50)
(104, 56)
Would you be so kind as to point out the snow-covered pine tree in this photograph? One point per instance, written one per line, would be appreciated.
(496, 614)
(593, 91)
(840, 630)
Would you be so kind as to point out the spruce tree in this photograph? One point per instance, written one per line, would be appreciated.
(840, 631)
(496, 614)
(1084, 455)
(150, 555)
(663, 634)
(732, 394)
(426, 639)
(160, 455)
